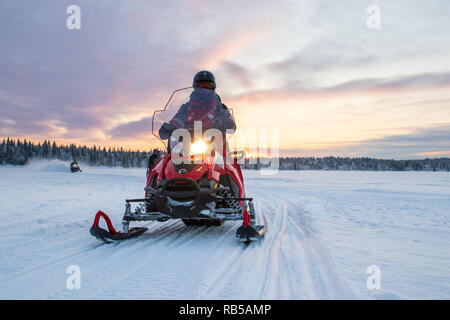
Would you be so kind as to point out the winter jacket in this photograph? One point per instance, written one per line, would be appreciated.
(206, 106)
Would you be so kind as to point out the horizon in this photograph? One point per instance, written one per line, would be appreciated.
(252, 156)
(313, 71)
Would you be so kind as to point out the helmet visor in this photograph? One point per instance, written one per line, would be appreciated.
(205, 84)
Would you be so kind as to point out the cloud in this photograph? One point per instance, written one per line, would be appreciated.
(399, 83)
(132, 130)
(415, 144)
(124, 55)
(433, 142)
(362, 86)
(323, 56)
(231, 42)
(239, 73)
(101, 83)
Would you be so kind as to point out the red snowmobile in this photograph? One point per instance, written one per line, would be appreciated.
(195, 181)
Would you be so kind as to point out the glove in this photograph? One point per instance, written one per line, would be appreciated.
(165, 131)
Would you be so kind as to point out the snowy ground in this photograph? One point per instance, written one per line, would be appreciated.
(324, 230)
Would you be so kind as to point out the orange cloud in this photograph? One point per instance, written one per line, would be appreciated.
(229, 43)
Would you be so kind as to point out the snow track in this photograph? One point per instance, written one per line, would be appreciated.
(48, 232)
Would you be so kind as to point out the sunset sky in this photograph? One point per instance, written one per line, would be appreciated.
(310, 69)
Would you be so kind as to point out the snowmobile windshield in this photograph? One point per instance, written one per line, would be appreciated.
(187, 106)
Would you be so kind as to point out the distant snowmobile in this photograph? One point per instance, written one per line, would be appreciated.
(74, 167)
(204, 193)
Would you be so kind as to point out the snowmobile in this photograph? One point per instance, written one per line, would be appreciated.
(74, 167)
(191, 182)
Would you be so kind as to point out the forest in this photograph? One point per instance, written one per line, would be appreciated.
(20, 152)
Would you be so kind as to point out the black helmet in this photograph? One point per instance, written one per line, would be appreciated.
(204, 76)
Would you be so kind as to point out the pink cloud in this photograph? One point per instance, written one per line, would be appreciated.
(228, 43)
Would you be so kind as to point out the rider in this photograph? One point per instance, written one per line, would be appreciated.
(204, 105)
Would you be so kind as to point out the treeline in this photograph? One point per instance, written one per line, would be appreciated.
(17, 152)
(367, 164)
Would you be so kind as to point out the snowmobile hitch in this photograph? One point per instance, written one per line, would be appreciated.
(112, 235)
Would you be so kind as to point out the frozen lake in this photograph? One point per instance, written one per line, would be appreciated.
(325, 228)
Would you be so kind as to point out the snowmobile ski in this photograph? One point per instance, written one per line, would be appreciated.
(249, 233)
(112, 235)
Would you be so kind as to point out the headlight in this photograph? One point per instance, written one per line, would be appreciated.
(198, 147)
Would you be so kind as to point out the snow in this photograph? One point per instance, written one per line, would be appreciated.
(325, 228)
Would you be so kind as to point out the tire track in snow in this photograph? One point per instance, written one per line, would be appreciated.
(283, 267)
(141, 280)
(86, 256)
(247, 271)
(272, 258)
(55, 245)
(327, 284)
(234, 259)
(299, 255)
(285, 262)
(233, 268)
